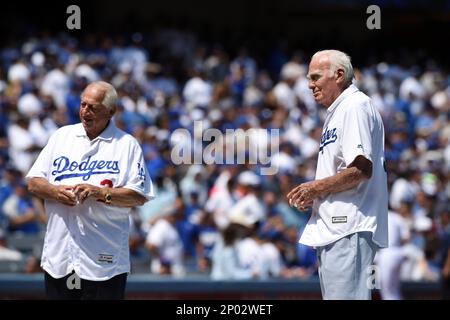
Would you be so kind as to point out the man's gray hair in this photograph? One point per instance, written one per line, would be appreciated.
(110, 97)
(339, 59)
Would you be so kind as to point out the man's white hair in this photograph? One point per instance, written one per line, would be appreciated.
(339, 59)
(110, 97)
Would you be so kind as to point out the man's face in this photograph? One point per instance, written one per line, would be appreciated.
(323, 81)
(93, 114)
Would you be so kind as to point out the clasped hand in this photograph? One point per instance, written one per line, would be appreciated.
(302, 196)
(72, 195)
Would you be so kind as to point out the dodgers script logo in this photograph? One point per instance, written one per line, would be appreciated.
(328, 136)
(64, 168)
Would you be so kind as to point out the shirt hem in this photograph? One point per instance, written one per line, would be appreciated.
(53, 275)
(321, 244)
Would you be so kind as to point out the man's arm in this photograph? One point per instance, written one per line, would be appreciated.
(303, 195)
(47, 191)
(121, 197)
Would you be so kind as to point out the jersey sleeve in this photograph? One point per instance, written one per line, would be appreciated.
(40, 168)
(137, 177)
(356, 134)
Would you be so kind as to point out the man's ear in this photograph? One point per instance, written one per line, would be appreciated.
(340, 76)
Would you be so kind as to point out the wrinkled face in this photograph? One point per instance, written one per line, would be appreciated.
(323, 81)
(93, 114)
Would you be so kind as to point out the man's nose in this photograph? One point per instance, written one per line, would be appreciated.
(85, 111)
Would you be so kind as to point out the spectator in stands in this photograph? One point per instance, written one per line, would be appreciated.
(198, 91)
(225, 258)
(220, 199)
(23, 146)
(249, 251)
(165, 245)
(390, 259)
(7, 254)
(271, 257)
(10, 177)
(283, 92)
(206, 239)
(23, 214)
(248, 203)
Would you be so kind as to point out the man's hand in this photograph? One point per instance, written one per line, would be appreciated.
(85, 190)
(121, 197)
(302, 196)
(65, 195)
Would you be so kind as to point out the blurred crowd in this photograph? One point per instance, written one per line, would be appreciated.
(225, 220)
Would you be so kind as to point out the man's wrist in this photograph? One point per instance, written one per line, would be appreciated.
(321, 187)
(107, 196)
(53, 192)
(101, 193)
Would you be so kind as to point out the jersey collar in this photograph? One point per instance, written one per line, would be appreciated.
(351, 89)
(106, 134)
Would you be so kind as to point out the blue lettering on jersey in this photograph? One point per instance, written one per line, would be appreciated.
(83, 169)
(141, 174)
(328, 136)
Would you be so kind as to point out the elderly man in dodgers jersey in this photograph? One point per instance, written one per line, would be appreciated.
(349, 196)
(90, 175)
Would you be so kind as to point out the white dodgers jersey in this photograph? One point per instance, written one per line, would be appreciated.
(91, 237)
(352, 127)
